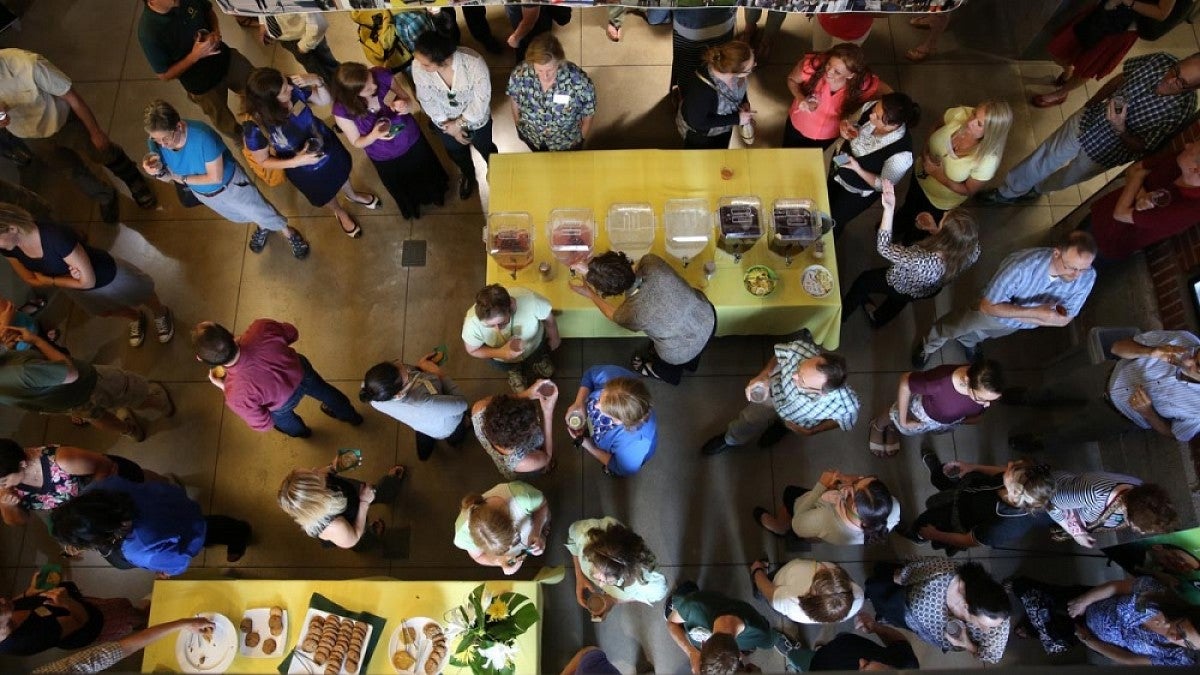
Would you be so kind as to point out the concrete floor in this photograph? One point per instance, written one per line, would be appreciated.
(354, 305)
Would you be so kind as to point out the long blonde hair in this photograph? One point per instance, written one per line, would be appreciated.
(305, 497)
(955, 243)
(492, 530)
(997, 121)
(16, 219)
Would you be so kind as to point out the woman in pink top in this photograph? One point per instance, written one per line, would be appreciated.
(828, 87)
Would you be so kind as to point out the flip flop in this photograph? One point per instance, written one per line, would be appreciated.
(891, 442)
(758, 514)
(919, 53)
(880, 445)
(1049, 100)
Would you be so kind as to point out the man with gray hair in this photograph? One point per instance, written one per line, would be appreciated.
(190, 153)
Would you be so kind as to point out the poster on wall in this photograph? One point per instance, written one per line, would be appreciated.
(256, 7)
(1174, 558)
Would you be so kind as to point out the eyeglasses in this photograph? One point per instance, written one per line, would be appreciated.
(450, 97)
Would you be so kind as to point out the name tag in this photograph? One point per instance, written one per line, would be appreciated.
(561, 99)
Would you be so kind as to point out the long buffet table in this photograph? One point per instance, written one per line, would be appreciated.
(394, 601)
(538, 183)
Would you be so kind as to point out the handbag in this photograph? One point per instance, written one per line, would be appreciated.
(1096, 525)
(272, 177)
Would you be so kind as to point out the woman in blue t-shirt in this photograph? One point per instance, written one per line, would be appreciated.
(612, 420)
(284, 133)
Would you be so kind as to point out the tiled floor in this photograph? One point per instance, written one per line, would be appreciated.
(355, 305)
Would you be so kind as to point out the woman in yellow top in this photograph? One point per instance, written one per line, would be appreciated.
(962, 154)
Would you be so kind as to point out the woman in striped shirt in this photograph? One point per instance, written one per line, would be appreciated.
(917, 271)
(1092, 502)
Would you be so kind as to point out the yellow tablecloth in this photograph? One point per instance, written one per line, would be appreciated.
(392, 600)
(541, 182)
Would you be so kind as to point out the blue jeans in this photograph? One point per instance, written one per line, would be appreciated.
(285, 417)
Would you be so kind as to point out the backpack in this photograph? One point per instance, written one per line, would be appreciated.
(380, 43)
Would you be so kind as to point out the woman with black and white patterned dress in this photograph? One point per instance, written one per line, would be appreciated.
(917, 271)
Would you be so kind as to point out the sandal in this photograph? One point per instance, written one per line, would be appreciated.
(919, 53)
(641, 365)
(374, 204)
(354, 233)
(882, 443)
(613, 31)
(1049, 100)
(35, 305)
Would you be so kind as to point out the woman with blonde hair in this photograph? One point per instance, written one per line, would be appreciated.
(962, 154)
(981, 505)
(612, 419)
(389, 134)
(807, 591)
(715, 98)
(916, 271)
(828, 89)
(503, 526)
(333, 508)
(612, 563)
(553, 100)
(49, 255)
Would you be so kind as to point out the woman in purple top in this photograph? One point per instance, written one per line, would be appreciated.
(934, 401)
(374, 111)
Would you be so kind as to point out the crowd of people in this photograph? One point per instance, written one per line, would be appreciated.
(420, 76)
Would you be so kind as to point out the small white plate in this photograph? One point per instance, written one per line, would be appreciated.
(197, 655)
(302, 661)
(421, 648)
(261, 616)
(808, 279)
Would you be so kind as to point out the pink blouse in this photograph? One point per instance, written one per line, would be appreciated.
(822, 124)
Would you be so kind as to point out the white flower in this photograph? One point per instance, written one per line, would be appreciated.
(499, 655)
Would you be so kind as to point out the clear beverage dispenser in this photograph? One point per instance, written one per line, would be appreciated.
(688, 228)
(739, 224)
(795, 225)
(631, 229)
(571, 233)
(509, 240)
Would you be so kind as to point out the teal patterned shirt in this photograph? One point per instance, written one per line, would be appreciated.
(552, 118)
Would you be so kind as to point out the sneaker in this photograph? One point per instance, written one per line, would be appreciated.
(299, 246)
(165, 326)
(543, 367)
(258, 239)
(516, 380)
(137, 332)
(133, 428)
(772, 435)
(110, 211)
(353, 421)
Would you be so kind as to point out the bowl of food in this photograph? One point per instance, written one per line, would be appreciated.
(760, 280)
(817, 280)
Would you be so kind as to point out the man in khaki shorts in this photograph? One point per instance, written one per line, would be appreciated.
(42, 379)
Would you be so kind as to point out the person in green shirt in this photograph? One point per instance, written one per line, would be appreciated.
(44, 380)
(713, 630)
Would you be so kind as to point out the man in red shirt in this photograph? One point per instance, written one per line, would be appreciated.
(264, 379)
(1161, 198)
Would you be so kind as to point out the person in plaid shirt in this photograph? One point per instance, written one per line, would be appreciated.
(802, 388)
(1130, 116)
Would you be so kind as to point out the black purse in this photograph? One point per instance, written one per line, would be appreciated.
(187, 198)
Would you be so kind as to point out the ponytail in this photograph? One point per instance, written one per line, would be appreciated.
(873, 505)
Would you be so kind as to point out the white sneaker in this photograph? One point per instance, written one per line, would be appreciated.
(137, 331)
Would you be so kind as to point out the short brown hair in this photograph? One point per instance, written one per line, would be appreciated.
(833, 367)
(610, 273)
(508, 421)
(543, 49)
(492, 301)
(720, 655)
(728, 57)
(625, 399)
(214, 344)
(830, 596)
(1148, 508)
(1083, 242)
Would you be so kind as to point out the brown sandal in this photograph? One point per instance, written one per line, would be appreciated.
(1049, 100)
(920, 53)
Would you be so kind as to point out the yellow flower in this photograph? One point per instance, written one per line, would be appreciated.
(497, 610)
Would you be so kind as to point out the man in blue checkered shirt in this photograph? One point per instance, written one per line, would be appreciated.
(1131, 115)
(802, 388)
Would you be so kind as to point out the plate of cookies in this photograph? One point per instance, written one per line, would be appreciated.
(209, 651)
(263, 632)
(330, 644)
(419, 647)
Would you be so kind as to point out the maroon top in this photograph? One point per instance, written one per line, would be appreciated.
(1118, 240)
(266, 374)
(941, 400)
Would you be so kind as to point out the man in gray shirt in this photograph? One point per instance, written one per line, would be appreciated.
(677, 318)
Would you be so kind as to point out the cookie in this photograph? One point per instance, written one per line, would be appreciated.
(402, 660)
(275, 625)
(247, 625)
(269, 645)
(432, 630)
(252, 639)
(276, 612)
(309, 645)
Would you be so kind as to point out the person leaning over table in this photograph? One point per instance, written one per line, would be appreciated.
(916, 272)
(192, 155)
(40, 478)
(962, 154)
(679, 320)
(503, 526)
(878, 151)
(423, 397)
(620, 428)
(982, 505)
(848, 651)
(103, 655)
(841, 510)
(389, 135)
(517, 430)
(63, 618)
(333, 508)
(715, 98)
(454, 88)
(805, 392)
(553, 100)
(952, 606)
(713, 630)
(613, 561)
(515, 330)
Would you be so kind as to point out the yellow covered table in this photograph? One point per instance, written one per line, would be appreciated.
(538, 183)
(391, 600)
